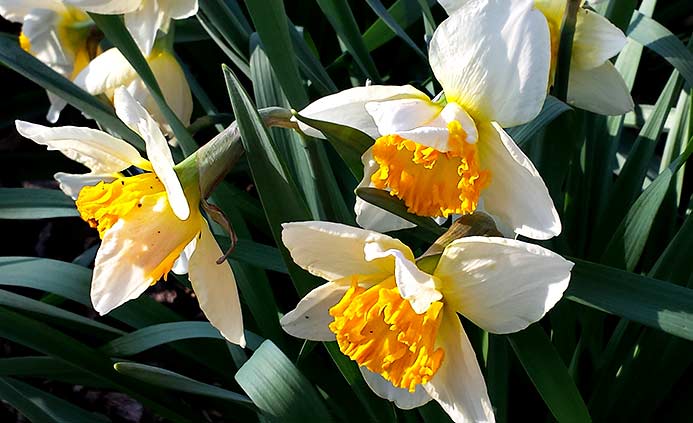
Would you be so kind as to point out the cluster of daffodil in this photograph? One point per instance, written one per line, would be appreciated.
(394, 315)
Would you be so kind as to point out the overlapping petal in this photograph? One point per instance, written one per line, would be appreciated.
(401, 397)
(517, 196)
(596, 40)
(599, 90)
(311, 318)
(348, 107)
(502, 285)
(494, 60)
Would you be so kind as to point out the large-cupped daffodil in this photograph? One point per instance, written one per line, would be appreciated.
(111, 70)
(594, 83)
(399, 322)
(452, 157)
(61, 36)
(143, 18)
(149, 218)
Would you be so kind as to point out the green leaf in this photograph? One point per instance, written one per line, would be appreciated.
(256, 254)
(12, 56)
(269, 18)
(42, 338)
(627, 244)
(278, 192)
(342, 20)
(630, 180)
(310, 65)
(155, 335)
(48, 368)
(29, 203)
(16, 301)
(233, 30)
(639, 298)
(350, 143)
(114, 29)
(167, 379)
(549, 374)
(404, 12)
(657, 38)
(384, 200)
(552, 108)
(279, 389)
(40, 406)
(383, 14)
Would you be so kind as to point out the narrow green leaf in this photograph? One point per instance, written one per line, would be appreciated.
(167, 379)
(549, 374)
(237, 59)
(342, 20)
(40, 406)
(269, 18)
(228, 25)
(277, 191)
(394, 205)
(639, 298)
(350, 143)
(49, 368)
(12, 56)
(256, 254)
(657, 38)
(26, 203)
(552, 108)
(310, 64)
(404, 12)
(16, 301)
(114, 29)
(155, 335)
(627, 244)
(279, 389)
(383, 14)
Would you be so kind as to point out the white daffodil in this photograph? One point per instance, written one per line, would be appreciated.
(111, 70)
(441, 159)
(146, 221)
(594, 83)
(143, 18)
(63, 37)
(399, 322)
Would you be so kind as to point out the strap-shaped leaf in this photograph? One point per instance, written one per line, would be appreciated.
(25, 203)
(279, 389)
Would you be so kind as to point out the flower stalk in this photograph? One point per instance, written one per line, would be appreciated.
(565, 50)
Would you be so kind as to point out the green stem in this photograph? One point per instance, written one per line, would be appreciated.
(565, 50)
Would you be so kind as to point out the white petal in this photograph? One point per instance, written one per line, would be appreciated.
(107, 7)
(458, 385)
(182, 263)
(40, 27)
(516, 194)
(105, 73)
(137, 118)
(57, 106)
(392, 116)
(373, 217)
(401, 397)
(493, 58)
(215, 287)
(311, 317)
(416, 286)
(502, 285)
(72, 184)
(174, 85)
(348, 107)
(143, 24)
(179, 9)
(16, 10)
(96, 150)
(596, 40)
(600, 90)
(133, 248)
(334, 251)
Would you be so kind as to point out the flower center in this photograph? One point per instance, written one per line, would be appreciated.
(103, 204)
(431, 182)
(379, 330)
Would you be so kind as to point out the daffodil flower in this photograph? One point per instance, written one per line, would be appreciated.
(61, 36)
(111, 70)
(399, 321)
(452, 157)
(150, 223)
(143, 18)
(594, 83)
